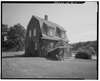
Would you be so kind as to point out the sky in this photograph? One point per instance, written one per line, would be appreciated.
(79, 20)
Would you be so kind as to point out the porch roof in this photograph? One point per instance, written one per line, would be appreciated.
(55, 38)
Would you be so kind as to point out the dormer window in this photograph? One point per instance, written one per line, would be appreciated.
(63, 35)
(58, 32)
(45, 28)
(51, 31)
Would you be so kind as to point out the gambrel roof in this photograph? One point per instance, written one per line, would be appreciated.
(52, 25)
(49, 23)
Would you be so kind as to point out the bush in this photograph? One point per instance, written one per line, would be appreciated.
(83, 55)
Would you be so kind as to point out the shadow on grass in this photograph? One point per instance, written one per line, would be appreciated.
(23, 55)
(48, 58)
(18, 56)
(14, 56)
(30, 56)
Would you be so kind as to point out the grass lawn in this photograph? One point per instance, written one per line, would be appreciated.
(14, 66)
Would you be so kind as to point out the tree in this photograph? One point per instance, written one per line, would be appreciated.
(17, 36)
(90, 46)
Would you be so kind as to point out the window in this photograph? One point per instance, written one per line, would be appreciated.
(5, 38)
(50, 32)
(58, 32)
(51, 45)
(35, 45)
(30, 33)
(63, 35)
(34, 32)
(45, 28)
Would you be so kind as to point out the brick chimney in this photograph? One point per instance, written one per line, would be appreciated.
(46, 17)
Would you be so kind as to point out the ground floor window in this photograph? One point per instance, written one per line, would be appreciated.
(35, 45)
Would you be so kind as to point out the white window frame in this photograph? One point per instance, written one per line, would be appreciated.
(51, 32)
(63, 35)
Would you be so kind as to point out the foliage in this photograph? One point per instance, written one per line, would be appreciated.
(83, 55)
(15, 38)
(4, 28)
(90, 47)
(16, 31)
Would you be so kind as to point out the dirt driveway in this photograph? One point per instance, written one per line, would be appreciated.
(14, 65)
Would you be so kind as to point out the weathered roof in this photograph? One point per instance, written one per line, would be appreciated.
(49, 23)
(53, 38)
(50, 38)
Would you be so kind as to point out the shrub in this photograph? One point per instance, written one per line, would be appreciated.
(83, 55)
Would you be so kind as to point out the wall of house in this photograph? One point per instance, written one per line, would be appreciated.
(32, 41)
(34, 45)
(53, 31)
(67, 51)
(51, 44)
(47, 30)
(46, 45)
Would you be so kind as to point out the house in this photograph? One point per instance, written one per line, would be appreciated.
(42, 36)
(5, 30)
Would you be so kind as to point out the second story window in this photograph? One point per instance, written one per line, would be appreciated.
(30, 33)
(45, 28)
(34, 32)
(58, 32)
(50, 32)
(63, 35)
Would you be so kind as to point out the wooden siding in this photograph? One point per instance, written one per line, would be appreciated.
(38, 42)
(32, 42)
